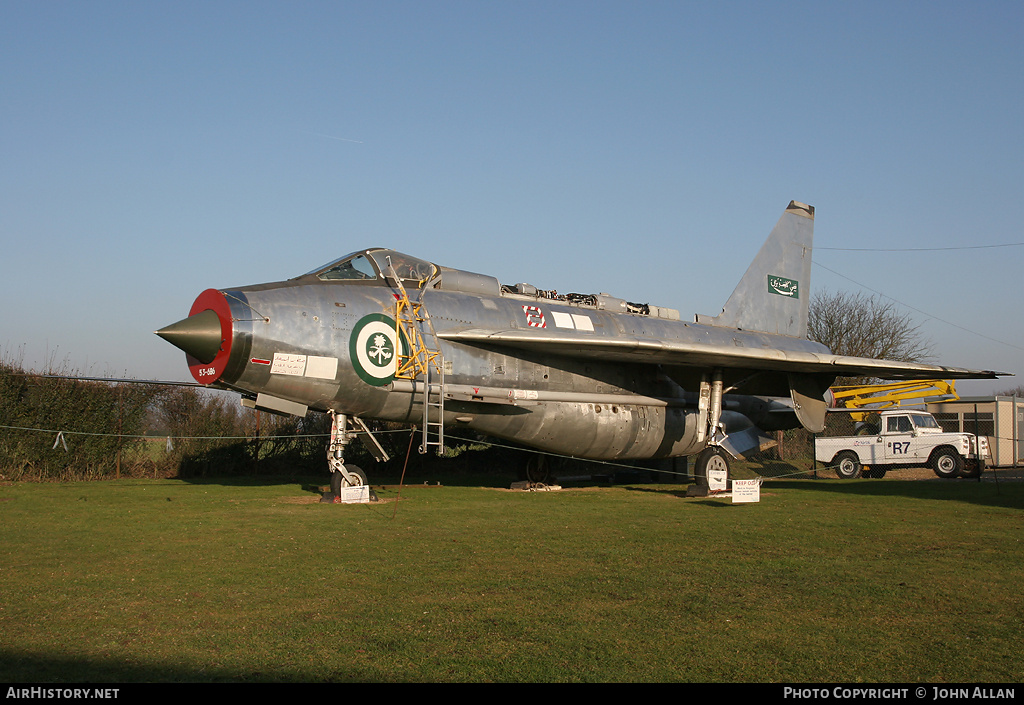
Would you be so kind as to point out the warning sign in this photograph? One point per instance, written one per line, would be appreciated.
(746, 490)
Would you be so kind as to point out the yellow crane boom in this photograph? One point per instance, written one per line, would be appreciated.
(884, 396)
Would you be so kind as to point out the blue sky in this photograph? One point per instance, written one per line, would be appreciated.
(152, 150)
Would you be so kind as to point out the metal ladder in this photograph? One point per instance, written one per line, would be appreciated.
(421, 362)
(433, 399)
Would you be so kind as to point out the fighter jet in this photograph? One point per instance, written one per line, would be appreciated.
(380, 335)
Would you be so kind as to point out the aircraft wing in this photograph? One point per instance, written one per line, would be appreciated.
(699, 354)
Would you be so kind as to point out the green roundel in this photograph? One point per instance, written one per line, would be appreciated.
(374, 349)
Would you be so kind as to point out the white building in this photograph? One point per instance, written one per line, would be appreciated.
(999, 418)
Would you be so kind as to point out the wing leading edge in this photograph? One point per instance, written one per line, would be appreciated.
(710, 355)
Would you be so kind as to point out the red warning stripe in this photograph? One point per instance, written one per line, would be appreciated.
(534, 317)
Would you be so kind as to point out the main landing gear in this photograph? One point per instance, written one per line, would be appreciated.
(713, 458)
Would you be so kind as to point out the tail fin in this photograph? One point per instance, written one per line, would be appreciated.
(772, 296)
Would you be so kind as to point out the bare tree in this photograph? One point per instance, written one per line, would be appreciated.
(1017, 391)
(865, 326)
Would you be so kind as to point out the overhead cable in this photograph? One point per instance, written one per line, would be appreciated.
(923, 313)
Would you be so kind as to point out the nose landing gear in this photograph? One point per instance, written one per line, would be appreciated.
(346, 475)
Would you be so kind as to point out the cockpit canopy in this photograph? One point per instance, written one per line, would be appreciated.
(380, 266)
(377, 264)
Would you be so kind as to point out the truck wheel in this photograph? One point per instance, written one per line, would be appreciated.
(972, 468)
(847, 465)
(947, 463)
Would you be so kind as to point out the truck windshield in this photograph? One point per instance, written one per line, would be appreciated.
(925, 421)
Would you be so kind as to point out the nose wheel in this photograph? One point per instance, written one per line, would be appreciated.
(353, 476)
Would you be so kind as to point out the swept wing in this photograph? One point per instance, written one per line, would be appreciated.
(700, 354)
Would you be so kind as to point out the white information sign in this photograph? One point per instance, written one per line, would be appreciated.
(360, 494)
(285, 364)
(746, 491)
(717, 480)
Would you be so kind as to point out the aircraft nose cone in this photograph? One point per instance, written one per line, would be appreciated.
(198, 335)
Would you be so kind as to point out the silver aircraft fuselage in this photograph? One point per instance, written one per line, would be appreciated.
(295, 341)
(590, 376)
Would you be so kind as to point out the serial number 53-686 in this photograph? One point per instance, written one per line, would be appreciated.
(207, 372)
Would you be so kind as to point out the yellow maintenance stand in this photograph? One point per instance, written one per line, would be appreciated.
(894, 394)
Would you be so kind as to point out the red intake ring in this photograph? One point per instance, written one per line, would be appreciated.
(210, 372)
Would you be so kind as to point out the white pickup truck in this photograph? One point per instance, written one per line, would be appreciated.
(903, 439)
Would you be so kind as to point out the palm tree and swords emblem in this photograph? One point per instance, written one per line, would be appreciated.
(373, 349)
(379, 348)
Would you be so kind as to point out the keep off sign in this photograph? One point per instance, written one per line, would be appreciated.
(746, 491)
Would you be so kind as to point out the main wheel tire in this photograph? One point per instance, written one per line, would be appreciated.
(711, 458)
(538, 469)
(847, 465)
(947, 463)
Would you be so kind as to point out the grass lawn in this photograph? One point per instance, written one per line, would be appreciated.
(821, 581)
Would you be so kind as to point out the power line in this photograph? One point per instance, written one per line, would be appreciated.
(918, 249)
(923, 313)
